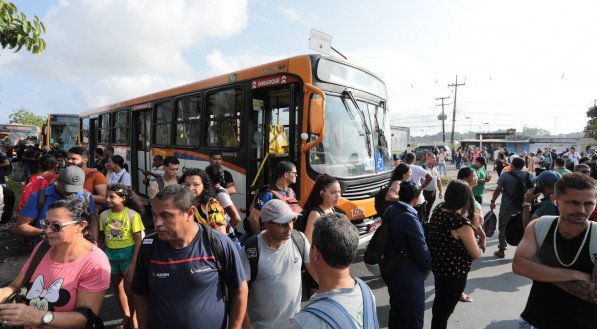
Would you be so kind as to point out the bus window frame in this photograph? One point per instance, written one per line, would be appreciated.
(155, 123)
(199, 122)
(241, 117)
(101, 129)
(113, 127)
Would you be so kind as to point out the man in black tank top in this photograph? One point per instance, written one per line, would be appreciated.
(563, 294)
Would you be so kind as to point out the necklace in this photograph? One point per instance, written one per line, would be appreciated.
(555, 248)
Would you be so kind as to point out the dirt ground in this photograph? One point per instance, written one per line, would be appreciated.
(13, 253)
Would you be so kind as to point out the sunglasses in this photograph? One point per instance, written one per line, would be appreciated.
(55, 226)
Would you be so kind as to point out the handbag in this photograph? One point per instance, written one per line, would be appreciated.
(490, 223)
(514, 229)
(18, 296)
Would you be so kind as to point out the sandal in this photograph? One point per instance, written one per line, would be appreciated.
(465, 298)
(125, 323)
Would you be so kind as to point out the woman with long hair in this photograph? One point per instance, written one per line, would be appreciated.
(402, 172)
(118, 171)
(324, 196)
(451, 240)
(208, 210)
(73, 273)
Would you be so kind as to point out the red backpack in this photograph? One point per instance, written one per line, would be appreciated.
(35, 184)
(290, 199)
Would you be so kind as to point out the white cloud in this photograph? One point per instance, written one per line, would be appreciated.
(128, 48)
(294, 16)
(219, 63)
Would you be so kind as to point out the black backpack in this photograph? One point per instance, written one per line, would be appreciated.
(380, 200)
(380, 250)
(215, 246)
(301, 222)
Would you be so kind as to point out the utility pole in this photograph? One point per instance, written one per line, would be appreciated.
(443, 117)
(455, 85)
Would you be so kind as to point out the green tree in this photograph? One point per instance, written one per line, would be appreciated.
(591, 128)
(17, 32)
(25, 117)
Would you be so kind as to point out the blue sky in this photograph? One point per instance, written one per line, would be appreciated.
(524, 62)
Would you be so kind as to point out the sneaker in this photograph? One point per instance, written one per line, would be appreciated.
(500, 253)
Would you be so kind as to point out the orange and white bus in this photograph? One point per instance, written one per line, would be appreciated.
(323, 114)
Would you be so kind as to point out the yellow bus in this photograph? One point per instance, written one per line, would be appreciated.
(62, 129)
(12, 133)
(324, 114)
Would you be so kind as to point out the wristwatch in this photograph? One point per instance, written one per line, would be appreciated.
(526, 204)
(46, 319)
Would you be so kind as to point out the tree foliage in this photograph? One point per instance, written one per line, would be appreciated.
(591, 128)
(25, 117)
(18, 32)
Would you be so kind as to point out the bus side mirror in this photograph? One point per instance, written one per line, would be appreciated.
(316, 115)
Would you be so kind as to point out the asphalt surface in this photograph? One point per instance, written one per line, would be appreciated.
(499, 295)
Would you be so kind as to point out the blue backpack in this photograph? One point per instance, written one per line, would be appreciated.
(336, 316)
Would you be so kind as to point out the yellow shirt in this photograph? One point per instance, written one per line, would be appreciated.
(118, 227)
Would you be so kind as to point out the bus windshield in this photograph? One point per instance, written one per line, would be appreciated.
(64, 134)
(345, 149)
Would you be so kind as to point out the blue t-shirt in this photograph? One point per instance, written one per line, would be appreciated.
(184, 284)
(30, 208)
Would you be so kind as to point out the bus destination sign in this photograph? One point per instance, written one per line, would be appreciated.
(272, 81)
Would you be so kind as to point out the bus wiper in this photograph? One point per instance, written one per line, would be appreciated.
(70, 132)
(362, 114)
(352, 118)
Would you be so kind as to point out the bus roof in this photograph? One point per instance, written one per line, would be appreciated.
(298, 64)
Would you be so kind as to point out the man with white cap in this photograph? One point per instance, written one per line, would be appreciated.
(69, 183)
(272, 261)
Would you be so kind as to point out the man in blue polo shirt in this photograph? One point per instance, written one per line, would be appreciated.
(69, 183)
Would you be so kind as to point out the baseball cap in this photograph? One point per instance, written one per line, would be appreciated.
(72, 179)
(277, 211)
(548, 177)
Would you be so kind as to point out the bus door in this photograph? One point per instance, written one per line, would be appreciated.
(141, 159)
(274, 137)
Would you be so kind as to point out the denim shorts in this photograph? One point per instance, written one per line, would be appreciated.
(120, 259)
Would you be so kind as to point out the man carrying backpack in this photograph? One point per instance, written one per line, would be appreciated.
(343, 301)
(286, 174)
(513, 184)
(558, 254)
(272, 261)
(69, 183)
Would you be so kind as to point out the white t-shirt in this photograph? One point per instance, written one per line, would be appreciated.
(275, 294)
(441, 157)
(121, 177)
(432, 186)
(419, 175)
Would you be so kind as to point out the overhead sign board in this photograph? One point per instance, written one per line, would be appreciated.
(320, 41)
(272, 81)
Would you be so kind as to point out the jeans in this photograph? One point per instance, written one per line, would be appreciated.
(458, 162)
(430, 197)
(447, 292)
(442, 166)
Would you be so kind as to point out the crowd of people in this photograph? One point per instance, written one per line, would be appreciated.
(196, 270)
(552, 196)
(85, 224)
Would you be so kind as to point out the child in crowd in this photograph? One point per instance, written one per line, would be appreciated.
(121, 229)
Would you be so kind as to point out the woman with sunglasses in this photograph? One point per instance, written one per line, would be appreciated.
(74, 273)
(453, 246)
